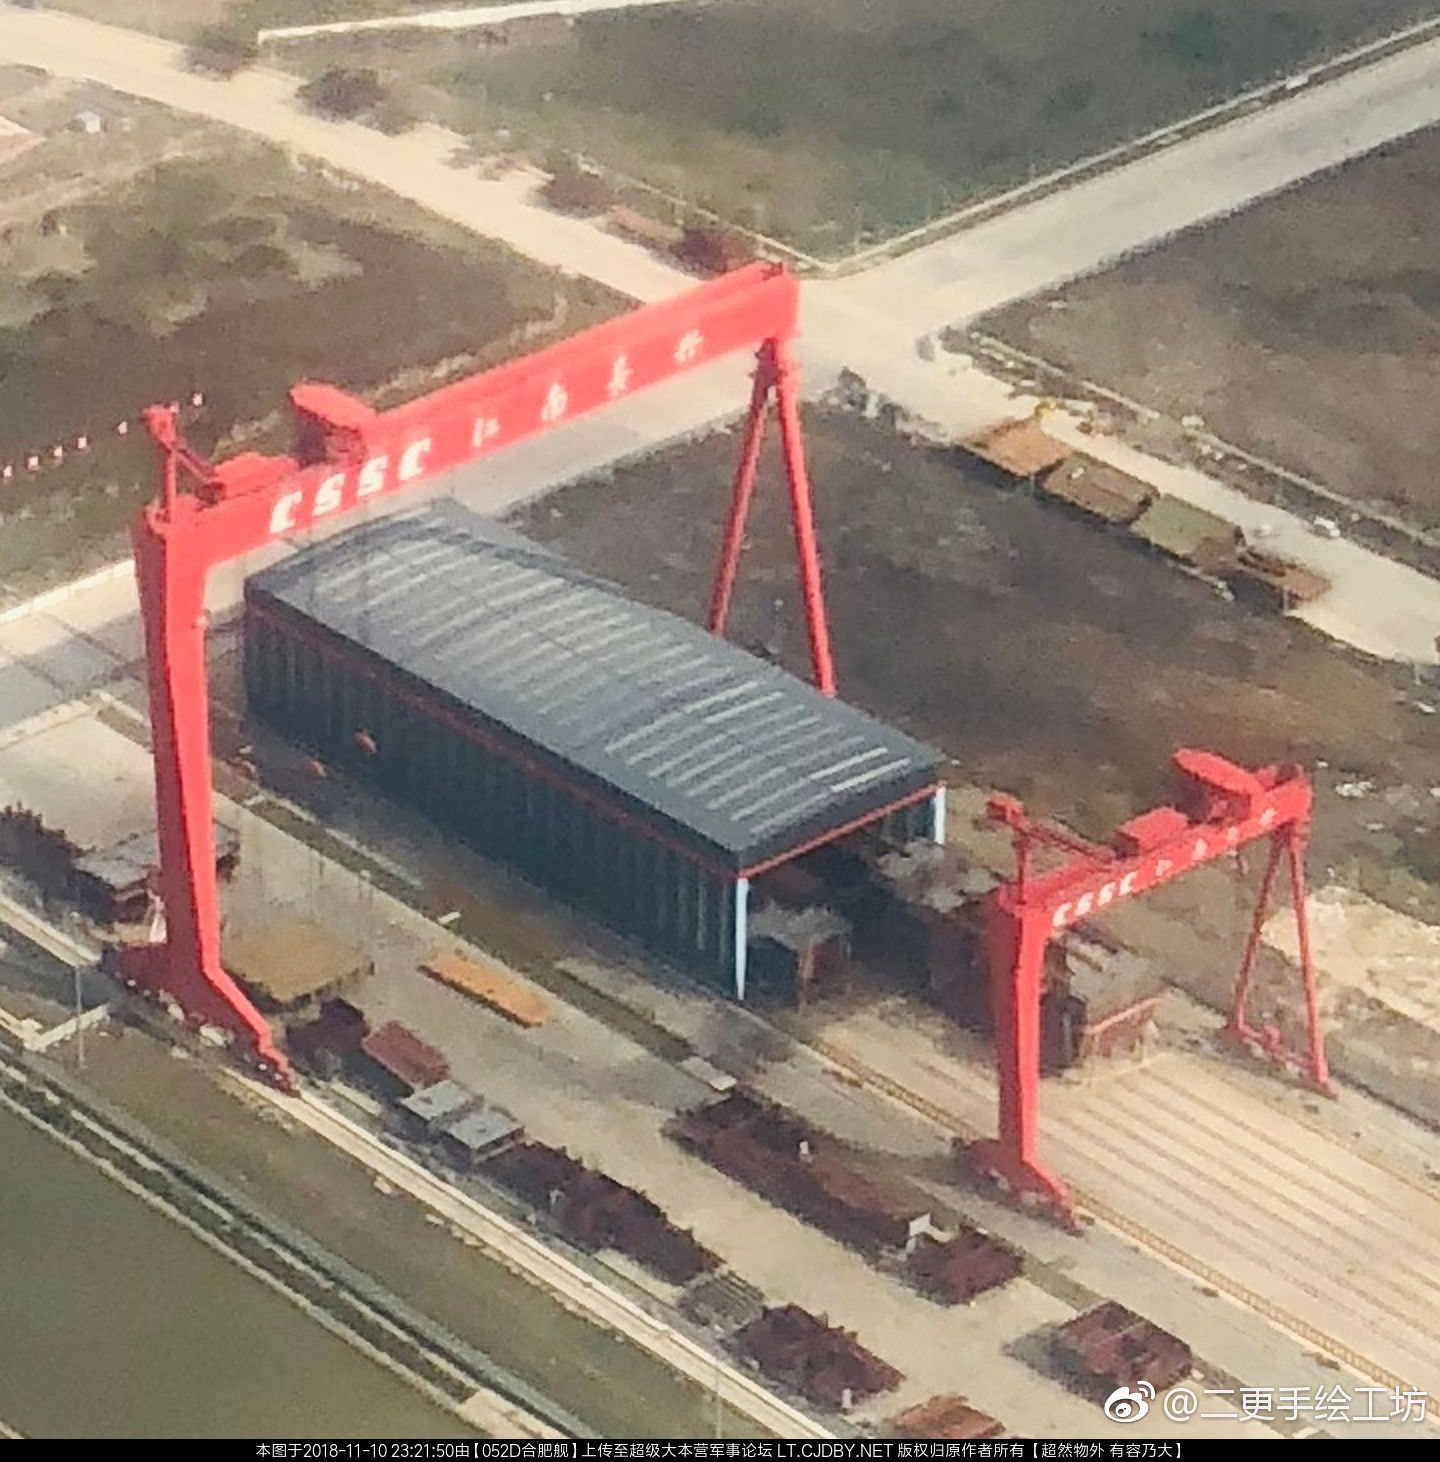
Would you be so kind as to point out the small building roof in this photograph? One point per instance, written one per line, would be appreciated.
(1186, 532)
(484, 1128)
(293, 960)
(405, 1056)
(1021, 448)
(1099, 489)
(132, 860)
(445, 1102)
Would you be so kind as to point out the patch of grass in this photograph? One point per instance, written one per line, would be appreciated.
(237, 284)
(830, 121)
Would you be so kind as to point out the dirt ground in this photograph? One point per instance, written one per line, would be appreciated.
(1303, 330)
(160, 275)
(832, 122)
(1044, 655)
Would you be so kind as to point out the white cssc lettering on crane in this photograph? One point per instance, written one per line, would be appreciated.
(372, 477)
(412, 459)
(329, 496)
(282, 515)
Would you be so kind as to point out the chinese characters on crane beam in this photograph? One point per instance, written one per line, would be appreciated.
(620, 377)
(557, 402)
(1155, 871)
(335, 491)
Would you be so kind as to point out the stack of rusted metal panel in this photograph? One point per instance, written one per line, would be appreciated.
(395, 1062)
(799, 953)
(823, 1364)
(723, 1301)
(327, 1044)
(955, 1271)
(930, 910)
(945, 1419)
(803, 1171)
(1111, 1346)
(596, 1212)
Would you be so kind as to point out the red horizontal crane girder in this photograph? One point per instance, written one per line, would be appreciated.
(1072, 894)
(359, 456)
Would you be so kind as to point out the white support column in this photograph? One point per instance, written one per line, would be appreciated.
(742, 919)
(937, 816)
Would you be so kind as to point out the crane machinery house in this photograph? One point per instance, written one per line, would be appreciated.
(618, 756)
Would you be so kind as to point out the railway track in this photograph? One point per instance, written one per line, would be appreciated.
(1332, 1244)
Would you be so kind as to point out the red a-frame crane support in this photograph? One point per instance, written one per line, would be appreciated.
(347, 455)
(1220, 808)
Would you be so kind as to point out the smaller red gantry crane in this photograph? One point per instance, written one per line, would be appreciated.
(1220, 807)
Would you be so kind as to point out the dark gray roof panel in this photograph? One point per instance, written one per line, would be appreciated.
(733, 752)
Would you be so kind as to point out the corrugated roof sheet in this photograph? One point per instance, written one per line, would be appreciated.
(446, 1101)
(1180, 528)
(1021, 448)
(1100, 489)
(731, 751)
(405, 1056)
(484, 1128)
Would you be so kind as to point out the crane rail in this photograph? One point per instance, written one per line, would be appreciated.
(1113, 1218)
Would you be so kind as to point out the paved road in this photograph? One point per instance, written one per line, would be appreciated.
(868, 323)
(463, 18)
(1080, 228)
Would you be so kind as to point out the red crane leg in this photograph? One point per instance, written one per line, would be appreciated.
(186, 967)
(1016, 948)
(802, 516)
(1288, 844)
(1239, 1028)
(1319, 1072)
(729, 563)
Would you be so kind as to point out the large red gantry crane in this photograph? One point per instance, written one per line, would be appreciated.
(346, 456)
(1221, 807)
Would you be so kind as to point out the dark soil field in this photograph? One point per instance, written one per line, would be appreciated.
(1044, 655)
(1304, 330)
(235, 284)
(827, 122)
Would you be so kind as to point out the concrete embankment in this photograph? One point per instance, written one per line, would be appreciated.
(349, 1304)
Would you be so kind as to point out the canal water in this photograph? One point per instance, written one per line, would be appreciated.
(117, 1322)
